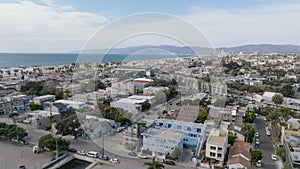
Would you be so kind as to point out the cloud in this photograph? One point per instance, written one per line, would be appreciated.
(276, 23)
(30, 27)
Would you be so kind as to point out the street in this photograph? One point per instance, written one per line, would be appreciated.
(265, 146)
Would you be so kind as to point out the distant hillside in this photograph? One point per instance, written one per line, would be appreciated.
(261, 48)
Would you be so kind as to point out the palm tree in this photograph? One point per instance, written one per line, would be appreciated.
(154, 164)
(277, 99)
(248, 131)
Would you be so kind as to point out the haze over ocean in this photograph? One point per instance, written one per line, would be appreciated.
(8, 60)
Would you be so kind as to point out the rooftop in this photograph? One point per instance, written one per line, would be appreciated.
(217, 137)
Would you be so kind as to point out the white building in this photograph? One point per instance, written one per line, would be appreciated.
(72, 104)
(42, 99)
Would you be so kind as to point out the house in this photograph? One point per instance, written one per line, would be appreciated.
(72, 104)
(233, 115)
(56, 107)
(267, 96)
(95, 127)
(188, 113)
(131, 105)
(42, 119)
(162, 142)
(292, 151)
(8, 105)
(41, 99)
(216, 146)
(239, 156)
(194, 133)
(292, 129)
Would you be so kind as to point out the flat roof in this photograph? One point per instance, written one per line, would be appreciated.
(130, 101)
(217, 137)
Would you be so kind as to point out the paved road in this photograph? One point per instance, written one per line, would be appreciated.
(265, 145)
(12, 155)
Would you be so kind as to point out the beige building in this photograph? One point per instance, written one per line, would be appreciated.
(292, 128)
(216, 145)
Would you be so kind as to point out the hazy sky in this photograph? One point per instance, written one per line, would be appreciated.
(66, 25)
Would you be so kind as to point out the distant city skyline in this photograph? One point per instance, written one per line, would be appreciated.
(64, 26)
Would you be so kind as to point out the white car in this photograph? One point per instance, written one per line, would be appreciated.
(143, 156)
(257, 141)
(274, 157)
(258, 163)
(119, 129)
(81, 152)
(114, 160)
(268, 133)
(256, 134)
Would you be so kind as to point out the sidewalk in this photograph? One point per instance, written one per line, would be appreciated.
(279, 164)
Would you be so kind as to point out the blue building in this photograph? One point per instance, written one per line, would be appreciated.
(162, 142)
(194, 134)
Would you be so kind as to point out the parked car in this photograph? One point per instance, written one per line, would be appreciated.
(22, 167)
(132, 154)
(92, 154)
(143, 156)
(257, 141)
(268, 133)
(119, 129)
(274, 157)
(258, 163)
(169, 162)
(81, 152)
(105, 158)
(257, 134)
(72, 150)
(115, 160)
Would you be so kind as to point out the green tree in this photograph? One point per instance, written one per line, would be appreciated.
(48, 141)
(277, 99)
(249, 116)
(146, 106)
(281, 152)
(256, 155)
(154, 164)
(231, 138)
(287, 91)
(202, 116)
(248, 131)
(33, 107)
(176, 153)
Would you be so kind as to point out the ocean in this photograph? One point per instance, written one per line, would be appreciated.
(8, 60)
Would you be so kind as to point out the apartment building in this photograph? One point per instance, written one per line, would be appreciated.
(216, 146)
(42, 99)
(292, 151)
(194, 133)
(162, 142)
(8, 105)
(291, 129)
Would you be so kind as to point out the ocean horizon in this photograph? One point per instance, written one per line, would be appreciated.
(8, 60)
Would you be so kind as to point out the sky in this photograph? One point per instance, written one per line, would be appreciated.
(68, 25)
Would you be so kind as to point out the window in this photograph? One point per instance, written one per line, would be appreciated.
(179, 127)
(220, 148)
(188, 129)
(198, 130)
(212, 154)
(212, 147)
(219, 155)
